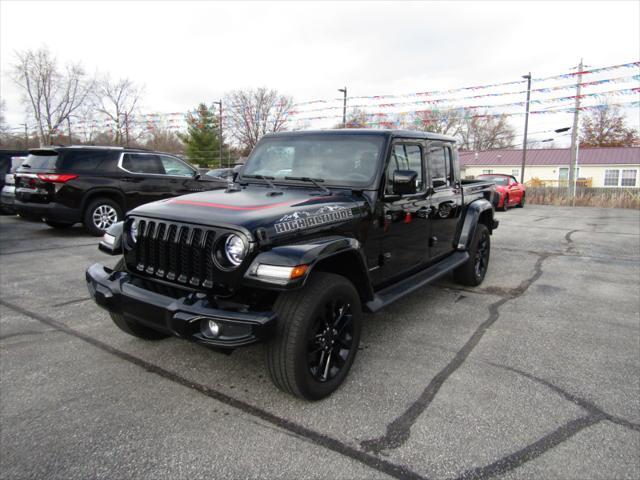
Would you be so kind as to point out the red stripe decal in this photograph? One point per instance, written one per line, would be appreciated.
(228, 207)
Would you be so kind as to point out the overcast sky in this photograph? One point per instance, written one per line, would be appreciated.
(188, 52)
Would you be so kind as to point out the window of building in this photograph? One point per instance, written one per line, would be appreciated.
(611, 178)
(628, 178)
(515, 172)
(487, 172)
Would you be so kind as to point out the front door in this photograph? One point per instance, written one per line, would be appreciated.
(402, 225)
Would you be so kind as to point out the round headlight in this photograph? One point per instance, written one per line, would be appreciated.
(133, 231)
(235, 249)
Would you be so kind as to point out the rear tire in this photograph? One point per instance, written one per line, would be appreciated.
(132, 327)
(317, 336)
(472, 272)
(100, 214)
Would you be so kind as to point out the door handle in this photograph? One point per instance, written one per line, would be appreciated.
(127, 179)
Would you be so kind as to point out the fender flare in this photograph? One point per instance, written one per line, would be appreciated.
(471, 219)
(313, 253)
(95, 192)
(114, 247)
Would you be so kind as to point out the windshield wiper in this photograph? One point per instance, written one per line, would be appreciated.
(25, 165)
(266, 178)
(311, 180)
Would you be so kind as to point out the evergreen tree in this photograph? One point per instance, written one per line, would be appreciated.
(202, 140)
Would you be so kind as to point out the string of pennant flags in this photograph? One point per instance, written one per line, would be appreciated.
(476, 87)
(381, 110)
(178, 118)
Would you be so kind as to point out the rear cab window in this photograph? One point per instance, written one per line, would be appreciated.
(88, 162)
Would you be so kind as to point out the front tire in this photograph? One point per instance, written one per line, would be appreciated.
(472, 272)
(317, 336)
(505, 204)
(100, 214)
(521, 204)
(132, 327)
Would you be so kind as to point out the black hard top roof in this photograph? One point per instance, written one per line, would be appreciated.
(368, 131)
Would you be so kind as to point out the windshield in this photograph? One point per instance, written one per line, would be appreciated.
(345, 160)
(497, 179)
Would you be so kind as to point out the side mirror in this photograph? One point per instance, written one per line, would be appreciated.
(404, 182)
(196, 175)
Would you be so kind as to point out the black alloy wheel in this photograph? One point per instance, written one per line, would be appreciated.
(481, 261)
(316, 337)
(331, 340)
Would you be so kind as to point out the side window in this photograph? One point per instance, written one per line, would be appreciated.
(439, 166)
(173, 166)
(88, 161)
(405, 157)
(142, 163)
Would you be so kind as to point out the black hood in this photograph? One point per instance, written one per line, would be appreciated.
(255, 207)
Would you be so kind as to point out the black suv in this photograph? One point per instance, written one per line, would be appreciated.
(97, 185)
(319, 227)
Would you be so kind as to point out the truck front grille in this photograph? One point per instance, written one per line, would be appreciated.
(174, 252)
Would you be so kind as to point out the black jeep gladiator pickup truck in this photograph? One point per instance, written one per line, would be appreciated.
(318, 227)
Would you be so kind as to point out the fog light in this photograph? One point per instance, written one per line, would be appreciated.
(211, 328)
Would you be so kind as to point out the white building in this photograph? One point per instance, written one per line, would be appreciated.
(598, 167)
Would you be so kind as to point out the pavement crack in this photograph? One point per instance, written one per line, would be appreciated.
(25, 333)
(590, 407)
(531, 451)
(399, 430)
(570, 245)
(318, 438)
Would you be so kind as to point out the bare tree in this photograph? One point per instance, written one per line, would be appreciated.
(118, 101)
(52, 94)
(445, 122)
(165, 140)
(252, 113)
(606, 127)
(485, 131)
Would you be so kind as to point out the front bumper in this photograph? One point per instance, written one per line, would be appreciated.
(116, 292)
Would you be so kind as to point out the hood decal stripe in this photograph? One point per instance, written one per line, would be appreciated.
(228, 207)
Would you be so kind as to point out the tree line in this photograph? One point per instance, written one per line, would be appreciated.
(56, 97)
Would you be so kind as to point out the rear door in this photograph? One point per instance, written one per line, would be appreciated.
(445, 201)
(143, 180)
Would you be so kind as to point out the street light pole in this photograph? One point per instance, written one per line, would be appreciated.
(344, 106)
(526, 127)
(219, 103)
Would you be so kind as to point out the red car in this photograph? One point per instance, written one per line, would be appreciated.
(512, 192)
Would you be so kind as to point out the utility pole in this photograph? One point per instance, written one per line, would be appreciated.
(526, 127)
(574, 134)
(344, 107)
(219, 103)
(26, 136)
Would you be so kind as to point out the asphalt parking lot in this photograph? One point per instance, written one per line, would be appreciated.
(534, 374)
